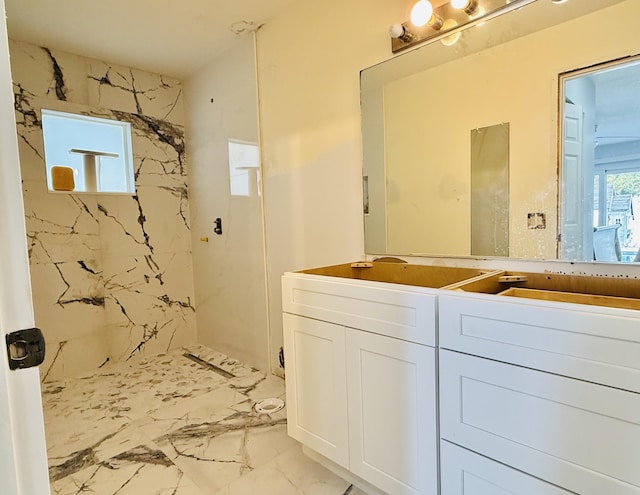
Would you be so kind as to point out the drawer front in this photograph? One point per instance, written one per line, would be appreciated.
(600, 345)
(577, 435)
(402, 314)
(466, 473)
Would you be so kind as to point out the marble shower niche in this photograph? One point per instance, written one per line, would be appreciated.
(111, 274)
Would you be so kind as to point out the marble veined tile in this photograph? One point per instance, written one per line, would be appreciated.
(29, 130)
(158, 141)
(49, 73)
(154, 221)
(149, 304)
(290, 473)
(60, 227)
(141, 470)
(215, 453)
(135, 91)
(70, 301)
(99, 414)
(74, 356)
(175, 425)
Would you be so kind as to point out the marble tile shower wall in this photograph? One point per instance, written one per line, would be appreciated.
(111, 274)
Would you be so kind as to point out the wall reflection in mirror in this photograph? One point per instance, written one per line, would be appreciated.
(570, 182)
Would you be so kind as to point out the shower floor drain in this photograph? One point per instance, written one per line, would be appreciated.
(269, 406)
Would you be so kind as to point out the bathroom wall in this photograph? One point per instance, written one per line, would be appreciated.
(309, 59)
(221, 105)
(111, 274)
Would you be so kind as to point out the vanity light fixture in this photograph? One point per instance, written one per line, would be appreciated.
(469, 6)
(446, 22)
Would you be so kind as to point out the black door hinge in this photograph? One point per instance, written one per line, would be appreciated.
(25, 348)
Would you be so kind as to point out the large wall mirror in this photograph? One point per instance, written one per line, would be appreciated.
(520, 140)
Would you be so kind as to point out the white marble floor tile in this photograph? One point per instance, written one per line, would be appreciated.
(215, 453)
(181, 423)
(142, 470)
(290, 473)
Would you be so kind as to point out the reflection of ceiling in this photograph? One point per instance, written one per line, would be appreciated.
(618, 104)
(164, 36)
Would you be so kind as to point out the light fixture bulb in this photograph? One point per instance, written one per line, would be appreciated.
(400, 32)
(469, 6)
(396, 30)
(421, 13)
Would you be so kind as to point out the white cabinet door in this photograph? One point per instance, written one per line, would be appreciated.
(392, 413)
(317, 386)
(465, 473)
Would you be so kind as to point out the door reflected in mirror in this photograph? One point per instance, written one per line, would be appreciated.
(600, 204)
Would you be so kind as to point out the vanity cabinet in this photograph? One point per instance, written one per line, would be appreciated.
(536, 376)
(361, 385)
(548, 389)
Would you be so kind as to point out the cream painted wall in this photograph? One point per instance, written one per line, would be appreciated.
(229, 270)
(432, 187)
(309, 60)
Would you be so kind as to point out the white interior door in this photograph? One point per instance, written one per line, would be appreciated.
(23, 458)
(572, 206)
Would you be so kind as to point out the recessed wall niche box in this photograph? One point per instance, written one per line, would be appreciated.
(86, 154)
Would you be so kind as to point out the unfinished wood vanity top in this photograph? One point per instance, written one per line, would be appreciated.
(610, 292)
(436, 277)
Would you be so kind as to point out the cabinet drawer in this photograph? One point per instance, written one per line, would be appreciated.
(371, 306)
(466, 473)
(600, 345)
(577, 435)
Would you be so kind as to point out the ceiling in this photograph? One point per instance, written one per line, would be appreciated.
(163, 36)
(617, 103)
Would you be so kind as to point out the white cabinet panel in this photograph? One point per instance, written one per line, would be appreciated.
(600, 345)
(392, 413)
(372, 306)
(316, 386)
(466, 473)
(578, 435)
